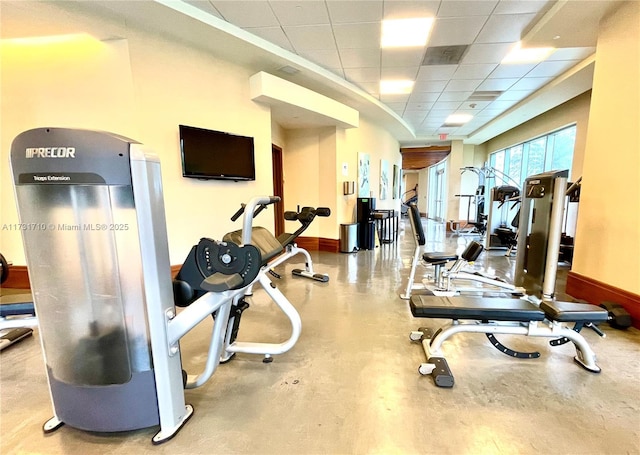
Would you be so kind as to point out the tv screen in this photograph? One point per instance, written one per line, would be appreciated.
(208, 154)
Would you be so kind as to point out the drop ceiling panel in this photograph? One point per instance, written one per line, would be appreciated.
(424, 97)
(360, 58)
(531, 83)
(307, 12)
(363, 74)
(364, 35)
(486, 53)
(402, 57)
(519, 7)
(310, 36)
(505, 28)
(476, 71)
(497, 84)
(456, 30)
(511, 71)
(454, 96)
(466, 8)
(436, 72)
(348, 11)
(327, 58)
(399, 72)
(462, 85)
(343, 36)
(429, 86)
(259, 15)
(403, 9)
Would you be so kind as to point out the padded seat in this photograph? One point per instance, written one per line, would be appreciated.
(264, 240)
(574, 312)
(439, 257)
(475, 308)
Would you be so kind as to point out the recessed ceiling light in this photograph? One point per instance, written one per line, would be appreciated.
(406, 32)
(395, 87)
(457, 119)
(527, 55)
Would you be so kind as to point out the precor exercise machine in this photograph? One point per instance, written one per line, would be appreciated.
(273, 252)
(538, 314)
(455, 279)
(98, 258)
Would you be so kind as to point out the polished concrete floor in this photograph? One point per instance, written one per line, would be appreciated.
(351, 386)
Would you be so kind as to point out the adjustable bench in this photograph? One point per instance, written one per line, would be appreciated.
(503, 316)
(271, 247)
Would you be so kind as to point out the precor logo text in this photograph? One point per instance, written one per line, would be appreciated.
(51, 152)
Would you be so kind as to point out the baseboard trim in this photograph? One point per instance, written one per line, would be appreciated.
(596, 292)
(318, 244)
(19, 275)
(18, 278)
(308, 243)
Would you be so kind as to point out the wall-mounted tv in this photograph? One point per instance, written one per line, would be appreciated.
(208, 154)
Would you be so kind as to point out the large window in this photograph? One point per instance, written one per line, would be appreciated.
(545, 153)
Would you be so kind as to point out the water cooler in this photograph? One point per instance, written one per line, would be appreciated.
(96, 249)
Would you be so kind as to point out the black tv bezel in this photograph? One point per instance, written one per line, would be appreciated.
(209, 176)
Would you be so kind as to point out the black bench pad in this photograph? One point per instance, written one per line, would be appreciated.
(476, 308)
(268, 245)
(574, 312)
(434, 257)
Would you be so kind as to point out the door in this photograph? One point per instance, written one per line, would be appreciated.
(278, 188)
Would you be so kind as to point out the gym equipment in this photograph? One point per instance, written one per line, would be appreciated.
(409, 197)
(503, 316)
(540, 223)
(449, 282)
(273, 252)
(109, 328)
(537, 315)
(17, 314)
(502, 200)
(618, 317)
(271, 247)
(570, 217)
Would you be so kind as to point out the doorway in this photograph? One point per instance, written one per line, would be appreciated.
(278, 188)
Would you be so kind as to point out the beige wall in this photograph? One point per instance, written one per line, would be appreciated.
(317, 161)
(143, 87)
(607, 238)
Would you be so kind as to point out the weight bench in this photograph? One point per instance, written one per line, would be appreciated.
(271, 247)
(503, 316)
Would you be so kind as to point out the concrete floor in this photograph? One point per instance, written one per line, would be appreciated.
(351, 386)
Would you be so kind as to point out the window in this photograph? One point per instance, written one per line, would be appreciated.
(545, 153)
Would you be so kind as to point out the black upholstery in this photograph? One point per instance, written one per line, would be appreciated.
(574, 312)
(268, 245)
(472, 251)
(475, 308)
(416, 224)
(439, 257)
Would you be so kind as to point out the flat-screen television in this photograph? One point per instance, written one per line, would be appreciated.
(208, 154)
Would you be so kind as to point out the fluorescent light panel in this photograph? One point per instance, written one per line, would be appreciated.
(406, 32)
(395, 87)
(527, 55)
(457, 119)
